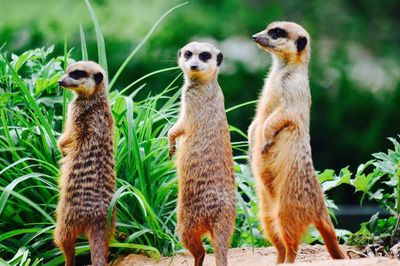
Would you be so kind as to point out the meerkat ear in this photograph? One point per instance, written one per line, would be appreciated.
(220, 57)
(179, 53)
(301, 43)
(98, 78)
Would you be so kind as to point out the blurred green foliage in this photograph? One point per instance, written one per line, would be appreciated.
(378, 180)
(354, 72)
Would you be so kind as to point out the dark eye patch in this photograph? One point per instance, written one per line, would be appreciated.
(276, 33)
(204, 56)
(78, 74)
(188, 54)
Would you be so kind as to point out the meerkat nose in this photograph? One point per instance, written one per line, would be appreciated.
(194, 67)
(255, 37)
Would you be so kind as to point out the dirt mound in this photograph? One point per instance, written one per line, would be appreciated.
(308, 255)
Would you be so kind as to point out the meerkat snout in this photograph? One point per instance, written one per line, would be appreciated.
(286, 40)
(199, 61)
(261, 40)
(83, 77)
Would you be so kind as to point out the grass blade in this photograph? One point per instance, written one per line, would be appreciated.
(83, 44)
(101, 47)
(142, 42)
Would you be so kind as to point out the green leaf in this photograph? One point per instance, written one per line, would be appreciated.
(119, 106)
(332, 181)
(361, 182)
(377, 195)
(83, 44)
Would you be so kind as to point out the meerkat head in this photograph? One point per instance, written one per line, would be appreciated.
(84, 77)
(199, 61)
(288, 41)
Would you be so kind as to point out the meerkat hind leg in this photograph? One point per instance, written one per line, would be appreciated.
(67, 245)
(292, 229)
(270, 224)
(192, 241)
(273, 236)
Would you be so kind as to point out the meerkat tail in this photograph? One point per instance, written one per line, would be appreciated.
(327, 231)
(98, 245)
(220, 237)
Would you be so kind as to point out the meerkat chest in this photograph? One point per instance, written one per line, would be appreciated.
(202, 109)
(271, 98)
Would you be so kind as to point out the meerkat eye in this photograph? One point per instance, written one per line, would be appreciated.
(78, 74)
(204, 56)
(277, 33)
(188, 54)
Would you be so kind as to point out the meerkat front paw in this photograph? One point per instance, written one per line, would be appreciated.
(63, 153)
(63, 144)
(172, 150)
(172, 142)
(267, 144)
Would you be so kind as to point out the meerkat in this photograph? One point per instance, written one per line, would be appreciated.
(206, 200)
(279, 146)
(87, 180)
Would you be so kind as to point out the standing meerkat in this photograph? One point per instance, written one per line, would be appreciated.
(290, 195)
(206, 201)
(87, 167)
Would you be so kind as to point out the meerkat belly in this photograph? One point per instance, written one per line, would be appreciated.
(88, 190)
(205, 170)
(271, 168)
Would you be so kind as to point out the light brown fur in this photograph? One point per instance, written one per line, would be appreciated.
(87, 180)
(206, 202)
(279, 144)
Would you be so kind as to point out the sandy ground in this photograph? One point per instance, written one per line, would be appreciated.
(308, 255)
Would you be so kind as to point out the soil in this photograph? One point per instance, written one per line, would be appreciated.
(308, 255)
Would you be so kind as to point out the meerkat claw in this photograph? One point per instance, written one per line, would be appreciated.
(172, 152)
(266, 146)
